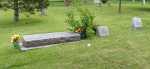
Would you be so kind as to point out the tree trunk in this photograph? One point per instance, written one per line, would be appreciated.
(42, 7)
(119, 6)
(67, 2)
(16, 11)
(144, 2)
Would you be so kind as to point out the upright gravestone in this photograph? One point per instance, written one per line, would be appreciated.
(137, 23)
(102, 31)
(97, 2)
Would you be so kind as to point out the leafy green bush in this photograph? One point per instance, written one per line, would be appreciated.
(83, 25)
(73, 23)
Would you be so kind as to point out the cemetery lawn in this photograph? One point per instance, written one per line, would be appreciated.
(125, 48)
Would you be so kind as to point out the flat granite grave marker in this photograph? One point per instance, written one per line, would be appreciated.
(102, 31)
(137, 23)
(42, 40)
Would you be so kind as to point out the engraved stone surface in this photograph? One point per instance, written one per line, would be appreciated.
(102, 31)
(137, 22)
(36, 40)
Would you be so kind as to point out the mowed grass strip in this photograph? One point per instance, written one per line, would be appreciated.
(125, 48)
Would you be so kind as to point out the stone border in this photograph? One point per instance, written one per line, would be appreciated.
(46, 46)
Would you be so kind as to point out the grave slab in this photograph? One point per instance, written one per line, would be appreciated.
(43, 40)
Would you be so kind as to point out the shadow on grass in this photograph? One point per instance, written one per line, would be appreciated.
(16, 65)
(22, 23)
(142, 9)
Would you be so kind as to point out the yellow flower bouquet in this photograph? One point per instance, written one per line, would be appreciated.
(15, 40)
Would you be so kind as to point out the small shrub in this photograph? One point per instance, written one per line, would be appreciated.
(72, 22)
(83, 25)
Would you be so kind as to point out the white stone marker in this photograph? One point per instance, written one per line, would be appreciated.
(102, 31)
(97, 2)
(137, 22)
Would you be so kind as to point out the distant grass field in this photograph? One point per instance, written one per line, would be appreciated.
(125, 48)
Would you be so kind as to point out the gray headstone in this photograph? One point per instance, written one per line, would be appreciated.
(36, 40)
(102, 31)
(137, 22)
(98, 2)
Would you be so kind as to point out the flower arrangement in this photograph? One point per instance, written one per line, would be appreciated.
(15, 40)
(78, 30)
(82, 24)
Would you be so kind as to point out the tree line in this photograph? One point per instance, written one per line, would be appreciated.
(30, 6)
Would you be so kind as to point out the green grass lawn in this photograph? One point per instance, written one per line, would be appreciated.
(125, 48)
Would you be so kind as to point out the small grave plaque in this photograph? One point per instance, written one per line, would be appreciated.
(102, 31)
(136, 22)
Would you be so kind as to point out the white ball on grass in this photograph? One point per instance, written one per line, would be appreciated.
(88, 44)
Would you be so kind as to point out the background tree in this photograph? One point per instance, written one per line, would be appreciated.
(67, 2)
(43, 4)
(144, 2)
(119, 9)
(30, 6)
